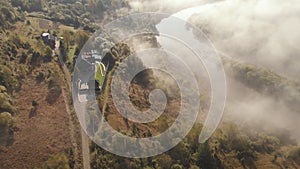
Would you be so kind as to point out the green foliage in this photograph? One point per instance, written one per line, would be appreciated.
(23, 58)
(283, 136)
(6, 120)
(35, 59)
(265, 143)
(268, 82)
(294, 154)
(57, 161)
(47, 54)
(63, 49)
(96, 7)
(34, 103)
(40, 77)
(181, 153)
(177, 166)
(233, 139)
(164, 161)
(15, 40)
(80, 38)
(194, 167)
(54, 85)
(98, 75)
(6, 125)
(8, 15)
(33, 111)
(6, 101)
(6, 77)
(29, 5)
(204, 157)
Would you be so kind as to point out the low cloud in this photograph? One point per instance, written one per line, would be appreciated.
(264, 32)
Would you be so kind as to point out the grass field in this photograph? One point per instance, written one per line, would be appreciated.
(100, 73)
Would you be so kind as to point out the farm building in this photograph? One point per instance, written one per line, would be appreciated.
(49, 39)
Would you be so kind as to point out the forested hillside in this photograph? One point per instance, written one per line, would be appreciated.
(31, 82)
(39, 127)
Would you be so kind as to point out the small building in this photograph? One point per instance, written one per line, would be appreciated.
(49, 39)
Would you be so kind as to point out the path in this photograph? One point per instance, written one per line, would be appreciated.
(84, 137)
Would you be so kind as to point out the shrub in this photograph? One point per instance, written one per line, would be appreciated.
(53, 94)
(194, 167)
(40, 77)
(59, 161)
(6, 125)
(294, 154)
(6, 77)
(177, 166)
(54, 85)
(204, 157)
(34, 103)
(5, 101)
(23, 58)
(35, 59)
(164, 161)
(6, 120)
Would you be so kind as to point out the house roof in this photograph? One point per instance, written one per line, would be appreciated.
(45, 34)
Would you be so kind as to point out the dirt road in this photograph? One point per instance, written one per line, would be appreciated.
(84, 138)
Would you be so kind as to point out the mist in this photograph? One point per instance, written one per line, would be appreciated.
(166, 6)
(261, 32)
(264, 32)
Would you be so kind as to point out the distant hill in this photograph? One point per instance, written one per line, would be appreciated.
(8, 15)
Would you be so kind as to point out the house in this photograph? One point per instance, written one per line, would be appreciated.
(49, 39)
(87, 69)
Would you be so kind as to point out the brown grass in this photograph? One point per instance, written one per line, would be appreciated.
(38, 137)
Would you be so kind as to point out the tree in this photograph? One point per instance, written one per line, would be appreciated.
(164, 161)
(67, 38)
(80, 38)
(181, 153)
(6, 78)
(33, 110)
(63, 51)
(6, 124)
(35, 59)
(96, 7)
(177, 166)
(204, 158)
(57, 161)
(194, 167)
(48, 54)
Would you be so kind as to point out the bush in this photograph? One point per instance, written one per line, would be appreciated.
(30, 6)
(40, 77)
(23, 58)
(5, 101)
(16, 40)
(53, 94)
(6, 125)
(59, 161)
(194, 167)
(35, 59)
(6, 120)
(204, 157)
(177, 166)
(6, 77)
(164, 161)
(54, 86)
(47, 54)
(34, 103)
(294, 154)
